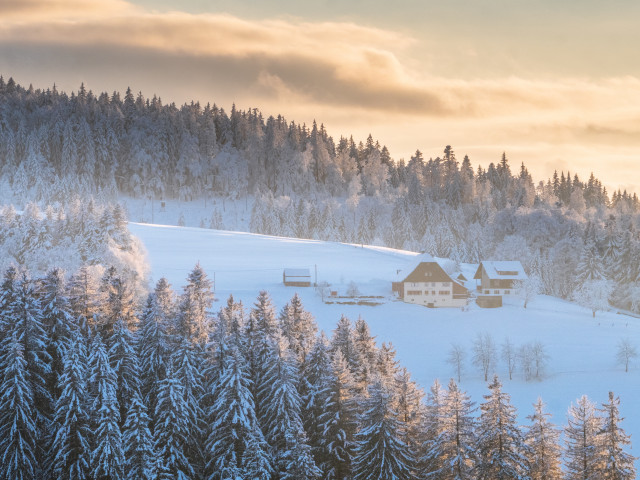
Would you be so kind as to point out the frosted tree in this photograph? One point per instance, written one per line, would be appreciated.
(625, 353)
(616, 462)
(107, 455)
(542, 447)
(140, 457)
(337, 421)
(590, 266)
(256, 462)
(430, 460)
(281, 416)
(455, 446)
(594, 295)
(500, 442)
(188, 364)
(194, 304)
(72, 435)
(456, 358)
(380, 454)
(529, 289)
(581, 453)
(484, 354)
(153, 349)
(298, 327)
(58, 323)
(124, 362)
(233, 421)
(407, 402)
(343, 340)
(509, 354)
(18, 430)
(172, 430)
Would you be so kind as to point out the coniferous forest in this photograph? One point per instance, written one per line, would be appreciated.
(568, 232)
(95, 387)
(105, 377)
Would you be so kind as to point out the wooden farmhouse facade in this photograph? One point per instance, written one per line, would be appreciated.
(428, 284)
(499, 277)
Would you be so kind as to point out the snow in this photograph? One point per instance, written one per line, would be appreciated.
(582, 349)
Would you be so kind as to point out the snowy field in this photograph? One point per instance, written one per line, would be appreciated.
(581, 349)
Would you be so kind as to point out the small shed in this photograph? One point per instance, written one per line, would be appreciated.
(489, 301)
(296, 277)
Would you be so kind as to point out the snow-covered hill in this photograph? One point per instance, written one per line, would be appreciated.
(581, 349)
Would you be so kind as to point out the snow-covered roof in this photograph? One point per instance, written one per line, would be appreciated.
(502, 270)
(415, 261)
(297, 272)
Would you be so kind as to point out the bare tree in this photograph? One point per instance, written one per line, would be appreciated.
(529, 289)
(484, 354)
(353, 290)
(323, 290)
(626, 352)
(525, 356)
(456, 359)
(540, 358)
(510, 356)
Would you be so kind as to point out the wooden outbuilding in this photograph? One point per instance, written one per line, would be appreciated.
(296, 277)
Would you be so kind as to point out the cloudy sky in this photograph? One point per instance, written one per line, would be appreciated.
(554, 84)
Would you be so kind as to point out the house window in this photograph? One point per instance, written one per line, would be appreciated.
(444, 292)
(433, 284)
(433, 292)
(507, 292)
(486, 291)
(446, 284)
(414, 292)
(497, 292)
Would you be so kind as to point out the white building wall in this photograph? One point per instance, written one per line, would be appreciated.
(427, 295)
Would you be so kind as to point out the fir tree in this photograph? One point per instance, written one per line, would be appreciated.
(193, 309)
(500, 442)
(581, 450)
(344, 341)
(542, 448)
(140, 458)
(172, 430)
(233, 420)
(298, 327)
(380, 454)
(617, 464)
(72, 455)
(18, 430)
(124, 362)
(107, 455)
(338, 421)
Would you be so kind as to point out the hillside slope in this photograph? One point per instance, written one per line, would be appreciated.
(581, 349)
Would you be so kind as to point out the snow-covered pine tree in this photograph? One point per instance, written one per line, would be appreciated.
(118, 306)
(338, 421)
(140, 457)
(125, 364)
(407, 402)
(172, 430)
(617, 464)
(153, 350)
(18, 429)
(107, 454)
(343, 340)
(386, 364)
(23, 317)
(581, 458)
(194, 322)
(542, 447)
(85, 297)
(58, 322)
(380, 454)
(500, 442)
(591, 266)
(72, 435)
(298, 327)
(455, 446)
(429, 456)
(280, 417)
(232, 419)
(256, 461)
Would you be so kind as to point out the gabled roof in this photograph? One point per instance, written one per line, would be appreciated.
(459, 289)
(501, 270)
(428, 272)
(297, 272)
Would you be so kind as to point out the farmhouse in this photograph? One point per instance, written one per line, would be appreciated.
(296, 277)
(499, 277)
(428, 284)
